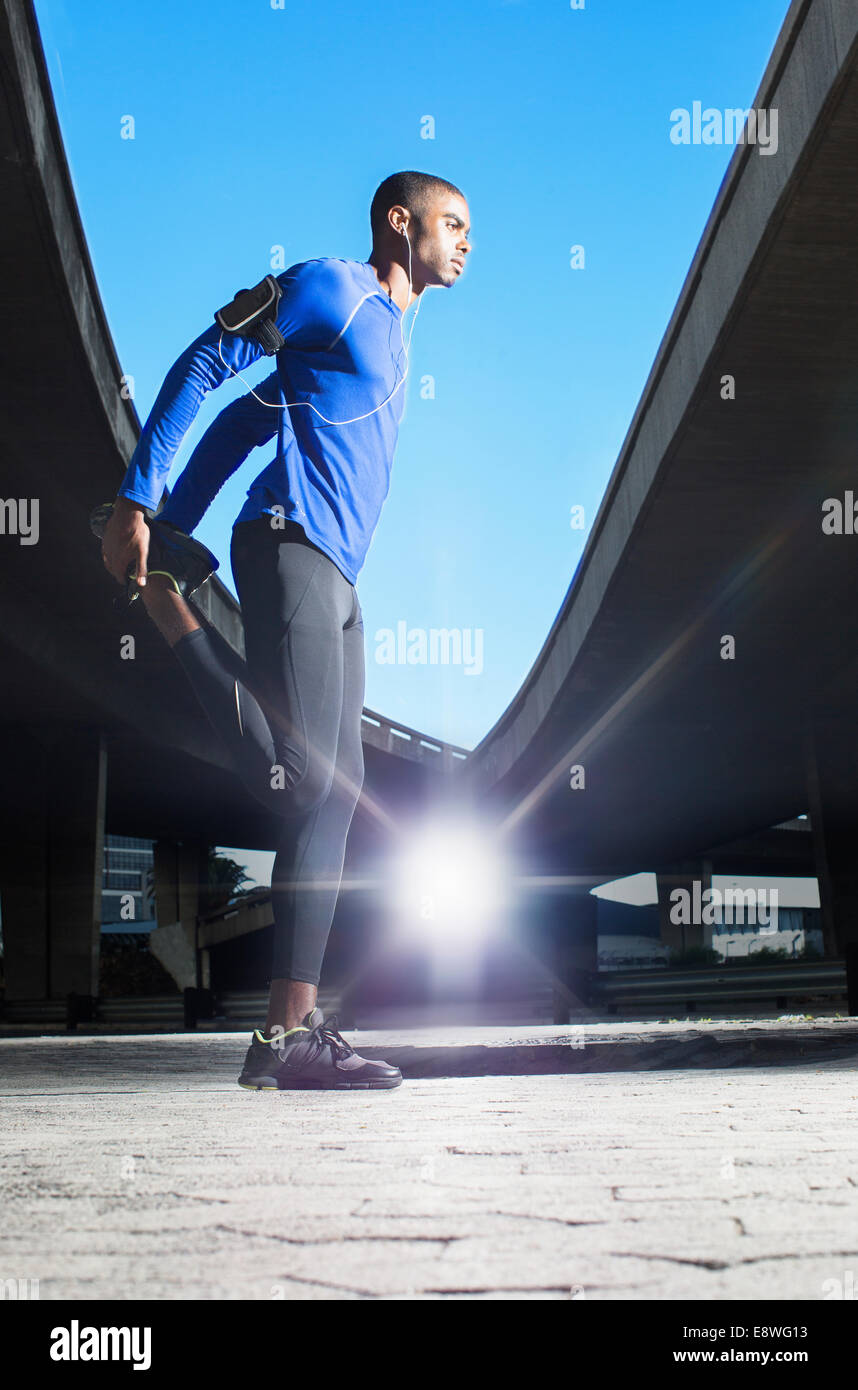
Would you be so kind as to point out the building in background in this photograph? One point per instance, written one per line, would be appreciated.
(630, 936)
(127, 892)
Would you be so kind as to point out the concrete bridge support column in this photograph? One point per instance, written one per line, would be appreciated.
(181, 875)
(831, 750)
(51, 859)
(678, 935)
(573, 917)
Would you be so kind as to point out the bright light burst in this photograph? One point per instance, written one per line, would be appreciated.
(450, 880)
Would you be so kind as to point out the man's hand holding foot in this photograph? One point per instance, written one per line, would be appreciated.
(125, 543)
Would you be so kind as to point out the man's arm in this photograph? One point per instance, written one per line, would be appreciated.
(241, 427)
(198, 370)
(315, 303)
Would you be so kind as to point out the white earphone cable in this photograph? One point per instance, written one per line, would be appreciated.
(285, 405)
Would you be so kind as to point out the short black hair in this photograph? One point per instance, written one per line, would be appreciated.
(409, 189)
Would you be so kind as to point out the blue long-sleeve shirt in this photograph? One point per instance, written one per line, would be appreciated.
(343, 352)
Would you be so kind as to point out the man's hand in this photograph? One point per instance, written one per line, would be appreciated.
(126, 542)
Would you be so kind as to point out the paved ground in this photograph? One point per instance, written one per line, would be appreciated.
(136, 1168)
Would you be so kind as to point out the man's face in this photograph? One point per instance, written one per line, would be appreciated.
(439, 241)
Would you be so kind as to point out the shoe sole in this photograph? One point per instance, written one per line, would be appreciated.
(321, 1086)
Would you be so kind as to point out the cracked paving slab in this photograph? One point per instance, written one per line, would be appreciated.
(125, 1178)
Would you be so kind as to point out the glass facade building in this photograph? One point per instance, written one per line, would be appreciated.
(128, 888)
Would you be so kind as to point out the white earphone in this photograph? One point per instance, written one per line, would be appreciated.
(281, 405)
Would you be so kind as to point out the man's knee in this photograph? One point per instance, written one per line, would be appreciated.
(310, 791)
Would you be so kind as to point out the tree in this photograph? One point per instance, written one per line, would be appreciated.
(226, 881)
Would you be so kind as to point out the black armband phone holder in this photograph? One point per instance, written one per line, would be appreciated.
(252, 314)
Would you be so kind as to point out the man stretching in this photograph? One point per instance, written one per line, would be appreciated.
(335, 403)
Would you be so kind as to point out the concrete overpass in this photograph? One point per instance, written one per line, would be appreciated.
(710, 527)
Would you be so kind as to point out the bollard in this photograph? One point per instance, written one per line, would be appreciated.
(80, 1008)
(189, 997)
(851, 954)
(198, 1003)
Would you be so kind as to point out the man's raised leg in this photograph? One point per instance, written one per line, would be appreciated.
(170, 613)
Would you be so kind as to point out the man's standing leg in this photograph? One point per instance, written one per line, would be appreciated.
(304, 649)
(307, 873)
(314, 665)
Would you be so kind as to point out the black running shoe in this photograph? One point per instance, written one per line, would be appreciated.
(186, 563)
(312, 1057)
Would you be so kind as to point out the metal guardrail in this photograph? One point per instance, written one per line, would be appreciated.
(168, 1011)
(250, 1008)
(719, 983)
(391, 737)
(612, 991)
(33, 1011)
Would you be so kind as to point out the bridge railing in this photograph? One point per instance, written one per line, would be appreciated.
(392, 737)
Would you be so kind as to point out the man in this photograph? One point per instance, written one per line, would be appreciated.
(297, 547)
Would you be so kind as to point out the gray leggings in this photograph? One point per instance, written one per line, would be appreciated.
(295, 740)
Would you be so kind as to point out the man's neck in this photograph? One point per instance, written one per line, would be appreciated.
(393, 279)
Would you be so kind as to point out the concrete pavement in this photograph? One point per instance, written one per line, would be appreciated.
(137, 1168)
